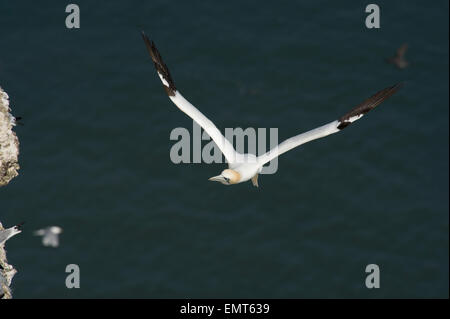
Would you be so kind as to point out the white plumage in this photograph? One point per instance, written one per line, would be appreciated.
(50, 235)
(244, 167)
(6, 234)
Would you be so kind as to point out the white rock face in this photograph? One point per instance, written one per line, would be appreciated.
(7, 272)
(9, 143)
(9, 153)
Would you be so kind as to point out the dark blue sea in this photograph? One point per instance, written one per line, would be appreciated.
(95, 149)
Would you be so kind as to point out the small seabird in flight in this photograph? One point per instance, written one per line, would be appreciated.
(244, 167)
(399, 58)
(50, 235)
(6, 234)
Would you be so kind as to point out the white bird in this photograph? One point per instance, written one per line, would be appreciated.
(50, 235)
(6, 234)
(244, 167)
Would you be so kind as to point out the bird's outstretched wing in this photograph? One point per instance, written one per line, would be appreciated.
(332, 127)
(224, 145)
(39, 232)
(400, 53)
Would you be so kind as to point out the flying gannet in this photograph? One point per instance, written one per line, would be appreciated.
(244, 167)
(399, 58)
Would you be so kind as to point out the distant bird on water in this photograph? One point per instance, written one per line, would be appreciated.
(50, 235)
(6, 234)
(244, 167)
(399, 58)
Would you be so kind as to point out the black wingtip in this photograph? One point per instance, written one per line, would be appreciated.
(399, 85)
(148, 42)
(369, 104)
(160, 66)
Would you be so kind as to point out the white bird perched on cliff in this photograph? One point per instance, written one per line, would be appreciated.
(244, 167)
(50, 235)
(6, 234)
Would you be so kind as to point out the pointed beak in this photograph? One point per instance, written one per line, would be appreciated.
(18, 227)
(218, 178)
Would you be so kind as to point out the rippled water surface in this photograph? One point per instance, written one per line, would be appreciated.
(95, 150)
